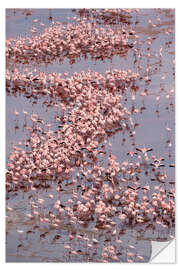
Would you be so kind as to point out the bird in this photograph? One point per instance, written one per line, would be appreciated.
(131, 153)
(171, 182)
(172, 165)
(157, 164)
(157, 160)
(134, 188)
(143, 150)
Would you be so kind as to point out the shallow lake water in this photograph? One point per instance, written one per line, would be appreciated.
(151, 54)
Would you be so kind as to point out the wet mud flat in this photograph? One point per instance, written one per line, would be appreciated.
(90, 129)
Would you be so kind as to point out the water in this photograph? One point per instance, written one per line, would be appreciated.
(44, 242)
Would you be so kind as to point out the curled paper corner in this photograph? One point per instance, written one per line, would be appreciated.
(163, 252)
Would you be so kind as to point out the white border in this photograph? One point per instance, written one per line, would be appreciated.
(76, 4)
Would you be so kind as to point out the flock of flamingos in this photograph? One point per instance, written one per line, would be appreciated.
(87, 192)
